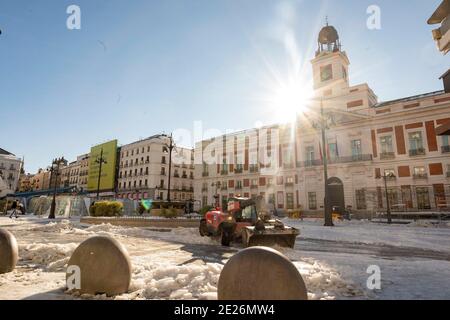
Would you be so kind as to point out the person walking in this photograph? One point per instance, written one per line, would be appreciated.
(14, 210)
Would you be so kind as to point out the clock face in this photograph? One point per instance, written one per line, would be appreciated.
(326, 73)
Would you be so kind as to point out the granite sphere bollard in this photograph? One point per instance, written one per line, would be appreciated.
(102, 265)
(260, 273)
(9, 251)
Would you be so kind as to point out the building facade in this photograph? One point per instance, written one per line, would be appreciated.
(144, 170)
(10, 167)
(366, 143)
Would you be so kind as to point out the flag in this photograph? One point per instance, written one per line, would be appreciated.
(320, 150)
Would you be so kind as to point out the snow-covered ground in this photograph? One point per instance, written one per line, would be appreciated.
(179, 264)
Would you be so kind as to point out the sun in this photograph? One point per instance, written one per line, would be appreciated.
(289, 99)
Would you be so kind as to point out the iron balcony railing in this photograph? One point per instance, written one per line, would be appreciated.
(445, 149)
(417, 152)
(336, 160)
(205, 174)
(420, 176)
(387, 155)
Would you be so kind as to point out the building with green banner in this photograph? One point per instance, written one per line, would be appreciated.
(102, 167)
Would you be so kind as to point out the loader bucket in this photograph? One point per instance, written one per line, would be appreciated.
(269, 239)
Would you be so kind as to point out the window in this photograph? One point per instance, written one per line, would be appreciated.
(163, 160)
(270, 181)
(290, 180)
(386, 145)
(419, 172)
(361, 199)
(312, 201)
(423, 198)
(416, 143)
(239, 184)
(333, 150)
(309, 155)
(280, 200)
(390, 173)
(356, 148)
(163, 171)
(290, 200)
(326, 73)
(254, 183)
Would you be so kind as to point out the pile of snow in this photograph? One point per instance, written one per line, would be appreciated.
(63, 226)
(47, 256)
(184, 235)
(168, 281)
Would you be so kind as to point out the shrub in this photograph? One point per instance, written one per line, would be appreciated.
(106, 209)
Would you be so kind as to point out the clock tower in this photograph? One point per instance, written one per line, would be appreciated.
(330, 65)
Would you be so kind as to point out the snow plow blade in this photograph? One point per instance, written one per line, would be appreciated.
(270, 237)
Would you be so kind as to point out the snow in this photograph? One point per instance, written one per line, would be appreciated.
(179, 264)
(413, 235)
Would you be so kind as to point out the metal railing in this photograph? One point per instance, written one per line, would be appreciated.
(417, 152)
(387, 155)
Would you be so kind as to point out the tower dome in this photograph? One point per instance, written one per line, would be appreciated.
(328, 35)
(328, 40)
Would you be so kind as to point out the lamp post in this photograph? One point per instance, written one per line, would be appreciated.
(323, 124)
(100, 160)
(216, 195)
(171, 146)
(54, 175)
(388, 202)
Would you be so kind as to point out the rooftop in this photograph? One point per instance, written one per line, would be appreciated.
(4, 152)
(412, 98)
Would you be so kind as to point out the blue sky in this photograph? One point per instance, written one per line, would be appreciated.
(141, 67)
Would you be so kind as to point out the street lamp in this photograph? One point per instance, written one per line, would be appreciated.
(323, 124)
(385, 177)
(54, 169)
(216, 195)
(171, 146)
(100, 160)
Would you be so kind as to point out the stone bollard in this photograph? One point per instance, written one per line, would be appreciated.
(9, 251)
(102, 265)
(260, 273)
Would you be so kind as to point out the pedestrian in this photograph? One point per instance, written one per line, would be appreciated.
(14, 210)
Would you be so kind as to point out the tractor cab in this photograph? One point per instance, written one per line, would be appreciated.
(243, 210)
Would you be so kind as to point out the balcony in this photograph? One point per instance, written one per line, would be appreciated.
(387, 155)
(417, 152)
(176, 175)
(418, 176)
(184, 176)
(224, 172)
(288, 166)
(238, 187)
(205, 174)
(289, 184)
(336, 160)
(238, 170)
(445, 149)
(204, 189)
(224, 188)
(254, 169)
(448, 174)
(254, 186)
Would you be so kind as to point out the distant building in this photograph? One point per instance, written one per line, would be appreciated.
(25, 182)
(144, 170)
(10, 167)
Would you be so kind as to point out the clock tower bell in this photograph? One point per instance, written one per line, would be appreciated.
(330, 65)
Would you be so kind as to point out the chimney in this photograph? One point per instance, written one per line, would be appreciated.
(446, 80)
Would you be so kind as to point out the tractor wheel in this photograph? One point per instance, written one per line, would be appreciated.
(203, 229)
(226, 239)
